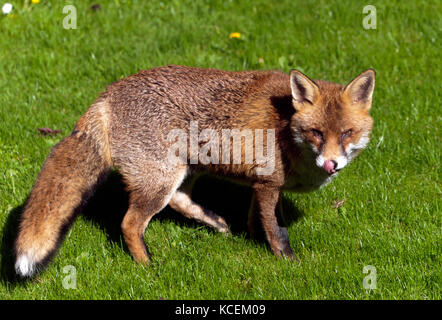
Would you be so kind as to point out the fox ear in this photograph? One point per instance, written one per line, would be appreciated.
(303, 88)
(360, 89)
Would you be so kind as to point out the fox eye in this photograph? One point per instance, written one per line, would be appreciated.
(317, 133)
(348, 133)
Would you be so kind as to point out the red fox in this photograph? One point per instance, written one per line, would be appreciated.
(163, 127)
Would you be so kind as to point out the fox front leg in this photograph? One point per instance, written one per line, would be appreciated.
(268, 207)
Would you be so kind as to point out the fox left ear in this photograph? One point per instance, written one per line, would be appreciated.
(360, 89)
(303, 88)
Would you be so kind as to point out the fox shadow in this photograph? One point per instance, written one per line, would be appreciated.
(110, 201)
(10, 231)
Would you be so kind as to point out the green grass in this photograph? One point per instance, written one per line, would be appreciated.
(391, 218)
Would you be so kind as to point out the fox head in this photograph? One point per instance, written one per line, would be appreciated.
(332, 121)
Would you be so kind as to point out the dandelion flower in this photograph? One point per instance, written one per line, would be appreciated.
(35, 1)
(7, 8)
(236, 35)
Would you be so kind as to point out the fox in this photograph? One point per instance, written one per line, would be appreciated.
(310, 130)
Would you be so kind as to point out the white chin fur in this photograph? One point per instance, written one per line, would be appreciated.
(25, 266)
(342, 162)
(320, 161)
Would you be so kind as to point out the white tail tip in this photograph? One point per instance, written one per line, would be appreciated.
(25, 266)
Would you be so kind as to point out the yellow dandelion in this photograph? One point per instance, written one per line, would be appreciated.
(11, 16)
(35, 1)
(236, 35)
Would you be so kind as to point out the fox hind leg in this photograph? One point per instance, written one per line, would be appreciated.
(147, 197)
(182, 203)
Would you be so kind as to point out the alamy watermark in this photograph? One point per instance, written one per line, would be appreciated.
(70, 281)
(370, 281)
(224, 146)
(369, 21)
(70, 21)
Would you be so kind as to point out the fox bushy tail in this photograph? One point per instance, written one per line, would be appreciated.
(68, 176)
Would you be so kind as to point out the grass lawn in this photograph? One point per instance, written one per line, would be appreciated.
(391, 216)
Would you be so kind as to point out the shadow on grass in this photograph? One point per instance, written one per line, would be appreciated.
(110, 202)
(10, 231)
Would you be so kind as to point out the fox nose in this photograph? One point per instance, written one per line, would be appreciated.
(330, 166)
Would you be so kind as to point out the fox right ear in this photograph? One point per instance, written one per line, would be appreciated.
(360, 89)
(303, 88)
